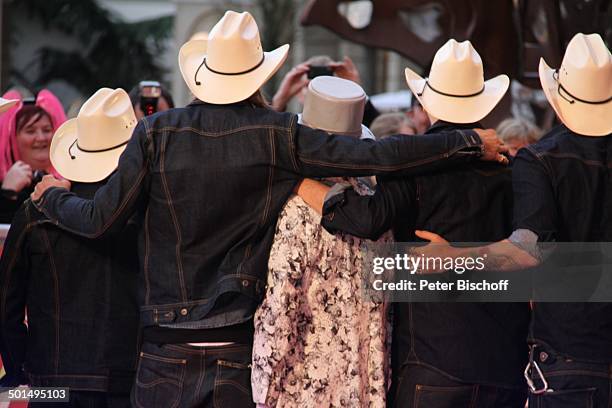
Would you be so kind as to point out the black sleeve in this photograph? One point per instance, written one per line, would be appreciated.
(535, 206)
(368, 216)
(113, 203)
(369, 113)
(14, 276)
(320, 154)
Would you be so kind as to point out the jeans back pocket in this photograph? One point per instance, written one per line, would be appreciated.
(427, 396)
(232, 385)
(159, 381)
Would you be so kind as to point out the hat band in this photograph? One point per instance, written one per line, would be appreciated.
(198, 83)
(575, 98)
(76, 141)
(427, 84)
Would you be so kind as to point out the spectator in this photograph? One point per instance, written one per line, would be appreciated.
(418, 116)
(26, 130)
(394, 123)
(517, 133)
(296, 81)
(164, 101)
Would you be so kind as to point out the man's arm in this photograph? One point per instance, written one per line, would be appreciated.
(113, 203)
(322, 155)
(535, 214)
(368, 216)
(14, 275)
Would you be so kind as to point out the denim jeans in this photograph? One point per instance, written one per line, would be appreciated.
(180, 375)
(570, 383)
(420, 386)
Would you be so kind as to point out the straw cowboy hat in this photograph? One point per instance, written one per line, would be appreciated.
(230, 66)
(335, 105)
(6, 104)
(455, 90)
(87, 148)
(580, 91)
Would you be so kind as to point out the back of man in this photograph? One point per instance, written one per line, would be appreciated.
(82, 312)
(577, 187)
(472, 347)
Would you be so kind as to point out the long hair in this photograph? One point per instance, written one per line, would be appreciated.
(9, 150)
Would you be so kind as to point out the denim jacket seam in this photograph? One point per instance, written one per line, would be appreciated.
(56, 297)
(292, 147)
(216, 134)
(10, 267)
(383, 168)
(177, 227)
(145, 265)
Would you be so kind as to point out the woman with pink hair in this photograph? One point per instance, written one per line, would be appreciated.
(26, 130)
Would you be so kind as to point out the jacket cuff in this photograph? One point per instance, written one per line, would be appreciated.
(473, 142)
(334, 198)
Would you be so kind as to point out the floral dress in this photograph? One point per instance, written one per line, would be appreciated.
(319, 342)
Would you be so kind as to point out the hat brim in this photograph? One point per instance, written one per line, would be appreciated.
(364, 133)
(582, 118)
(458, 109)
(225, 89)
(6, 104)
(85, 167)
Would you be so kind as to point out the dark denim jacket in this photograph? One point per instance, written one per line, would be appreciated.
(81, 301)
(211, 180)
(482, 343)
(563, 193)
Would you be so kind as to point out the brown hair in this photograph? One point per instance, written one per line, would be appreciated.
(29, 114)
(258, 100)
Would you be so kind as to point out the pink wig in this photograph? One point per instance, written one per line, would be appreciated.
(9, 151)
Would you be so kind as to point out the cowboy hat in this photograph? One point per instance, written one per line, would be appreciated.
(6, 104)
(455, 90)
(230, 65)
(580, 91)
(335, 105)
(87, 148)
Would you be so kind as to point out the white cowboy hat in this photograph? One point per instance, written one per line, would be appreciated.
(335, 105)
(580, 92)
(455, 90)
(87, 148)
(6, 104)
(230, 66)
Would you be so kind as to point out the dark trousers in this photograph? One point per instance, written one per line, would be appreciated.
(569, 383)
(419, 386)
(180, 375)
(88, 399)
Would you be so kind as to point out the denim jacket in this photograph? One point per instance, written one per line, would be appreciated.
(563, 193)
(80, 296)
(211, 181)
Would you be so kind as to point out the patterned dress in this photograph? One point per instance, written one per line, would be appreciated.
(318, 341)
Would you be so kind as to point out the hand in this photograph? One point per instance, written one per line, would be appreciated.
(293, 82)
(46, 183)
(437, 247)
(493, 146)
(346, 69)
(18, 177)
